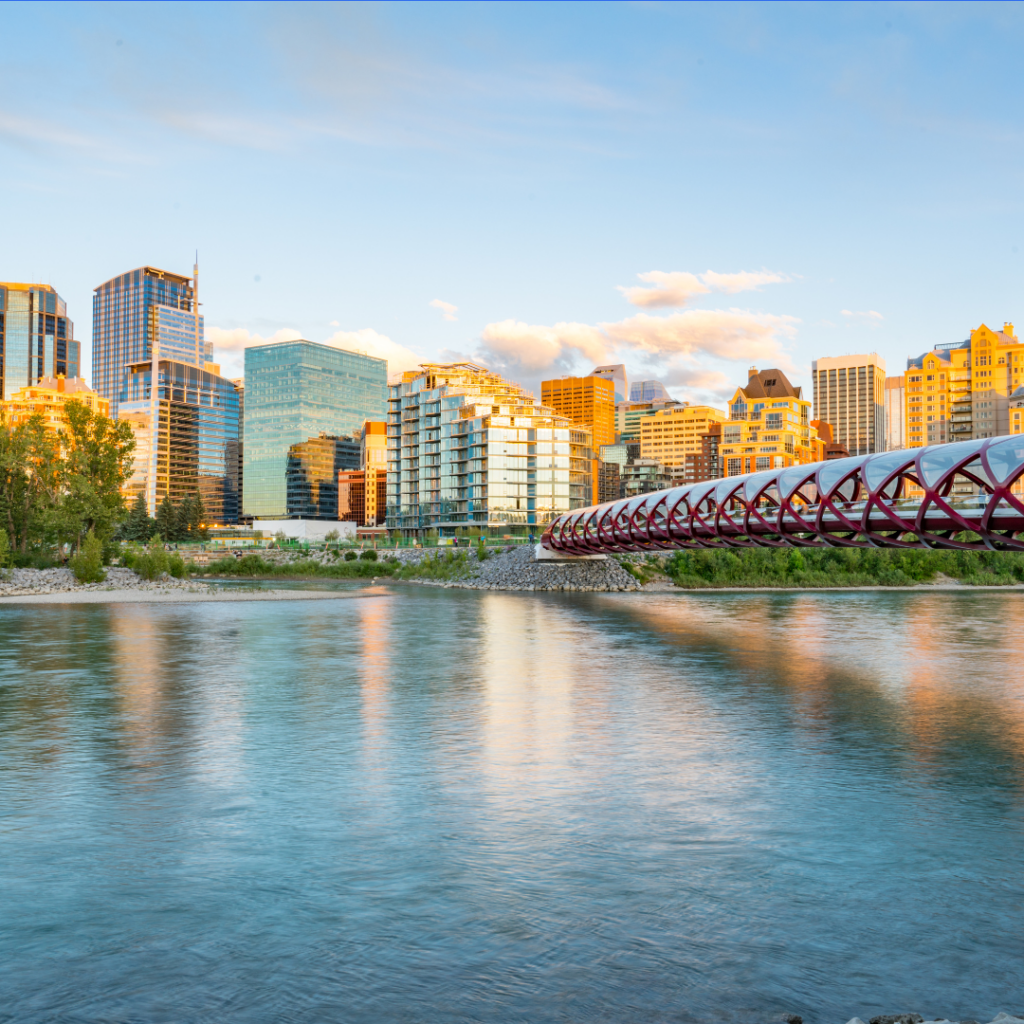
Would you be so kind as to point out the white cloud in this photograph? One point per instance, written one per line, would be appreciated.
(447, 309)
(534, 348)
(334, 323)
(230, 344)
(867, 314)
(676, 288)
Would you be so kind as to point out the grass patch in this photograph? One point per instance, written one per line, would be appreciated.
(840, 567)
(452, 565)
(254, 566)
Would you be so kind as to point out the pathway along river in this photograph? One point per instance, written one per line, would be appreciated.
(429, 805)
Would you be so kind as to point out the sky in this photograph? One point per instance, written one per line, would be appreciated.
(686, 188)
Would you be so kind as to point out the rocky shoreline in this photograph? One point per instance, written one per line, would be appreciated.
(35, 582)
(916, 1018)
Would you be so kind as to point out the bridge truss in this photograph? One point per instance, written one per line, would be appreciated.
(903, 499)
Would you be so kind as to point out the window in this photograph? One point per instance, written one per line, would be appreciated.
(735, 467)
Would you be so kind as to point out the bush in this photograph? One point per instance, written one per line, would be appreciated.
(369, 555)
(176, 566)
(87, 565)
(453, 565)
(5, 549)
(482, 553)
(151, 563)
(350, 556)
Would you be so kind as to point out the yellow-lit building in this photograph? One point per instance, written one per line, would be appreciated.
(588, 401)
(49, 397)
(1017, 411)
(962, 391)
(769, 427)
(373, 452)
(673, 433)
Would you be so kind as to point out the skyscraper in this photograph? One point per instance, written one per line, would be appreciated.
(589, 401)
(648, 391)
(133, 311)
(849, 394)
(895, 413)
(616, 373)
(294, 391)
(36, 337)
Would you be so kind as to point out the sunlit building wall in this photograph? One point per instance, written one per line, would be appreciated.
(671, 434)
(36, 337)
(469, 450)
(49, 398)
(295, 390)
(849, 394)
(895, 413)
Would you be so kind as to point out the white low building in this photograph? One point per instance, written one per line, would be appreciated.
(306, 529)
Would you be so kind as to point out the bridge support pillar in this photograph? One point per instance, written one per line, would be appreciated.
(542, 554)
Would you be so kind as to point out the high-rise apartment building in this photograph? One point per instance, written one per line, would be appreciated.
(135, 311)
(962, 390)
(616, 373)
(849, 394)
(36, 337)
(769, 427)
(895, 413)
(186, 435)
(588, 401)
(648, 391)
(630, 415)
(673, 433)
(469, 450)
(294, 390)
(49, 398)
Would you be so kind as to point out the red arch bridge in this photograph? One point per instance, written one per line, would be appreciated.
(911, 499)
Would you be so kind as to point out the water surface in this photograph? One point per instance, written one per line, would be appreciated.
(430, 805)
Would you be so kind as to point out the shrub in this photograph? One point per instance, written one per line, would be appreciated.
(87, 565)
(369, 555)
(482, 553)
(153, 562)
(176, 566)
(350, 556)
(5, 549)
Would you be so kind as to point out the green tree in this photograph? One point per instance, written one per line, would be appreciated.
(198, 524)
(138, 526)
(30, 484)
(87, 564)
(5, 549)
(166, 519)
(183, 516)
(97, 463)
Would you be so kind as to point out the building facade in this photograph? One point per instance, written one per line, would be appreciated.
(373, 446)
(311, 475)
(673, 433)
(135, 311)
(49, 398)
(588, 401)
(295, 390)
(895, 413)
(36, 337)
(362, 496)
(629, 417)
(469, 450)
(962, 390)
(769, 427)
(849, 394)
(642, 476)
(616, 373)
(648, 391)
(186, 436)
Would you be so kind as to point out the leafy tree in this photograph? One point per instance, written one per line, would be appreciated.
(97, 462)
(87, 564)
(5, 549)
(30, 485)
(166, 519)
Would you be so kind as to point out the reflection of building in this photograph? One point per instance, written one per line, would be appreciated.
(294, 390)
(616, 373)
(49, 397)
(470, 450)
(311, 475)
(588, 401)
(36, 337)
(362, 496)
(135, 311)
(769, 427)
(849, 393)
(196, 413)
(961, 391)
(648, 391)
(671, 434)
(642, 476)
(895, 413)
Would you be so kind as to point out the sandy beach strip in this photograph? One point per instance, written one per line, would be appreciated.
(181, 596)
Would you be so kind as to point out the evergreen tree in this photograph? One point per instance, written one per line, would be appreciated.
(166, 520)
(139, 526)
(183, 519)
(197, 526)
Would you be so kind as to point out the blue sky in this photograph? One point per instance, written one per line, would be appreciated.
(687, 188)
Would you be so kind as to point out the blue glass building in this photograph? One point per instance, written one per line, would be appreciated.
(36, 337)
(294, 391)
(132, 311)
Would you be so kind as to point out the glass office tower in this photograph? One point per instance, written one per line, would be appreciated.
(132, 311)
(197, 428)
(294, 391)
(36, 337)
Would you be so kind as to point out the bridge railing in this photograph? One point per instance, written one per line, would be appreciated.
(904, 498)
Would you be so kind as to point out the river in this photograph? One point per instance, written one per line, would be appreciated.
(429, 805)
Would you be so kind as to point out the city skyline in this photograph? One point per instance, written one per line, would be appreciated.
(659, 185)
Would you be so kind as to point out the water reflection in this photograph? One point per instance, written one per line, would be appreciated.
(441, 805)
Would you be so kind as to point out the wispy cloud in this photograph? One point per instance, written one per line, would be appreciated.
(676, 288)
(870, 317)
(448, 311)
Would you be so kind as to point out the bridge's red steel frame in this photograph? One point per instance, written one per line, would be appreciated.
(861, 501)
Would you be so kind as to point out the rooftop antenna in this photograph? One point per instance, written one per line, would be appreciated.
(195, 309)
